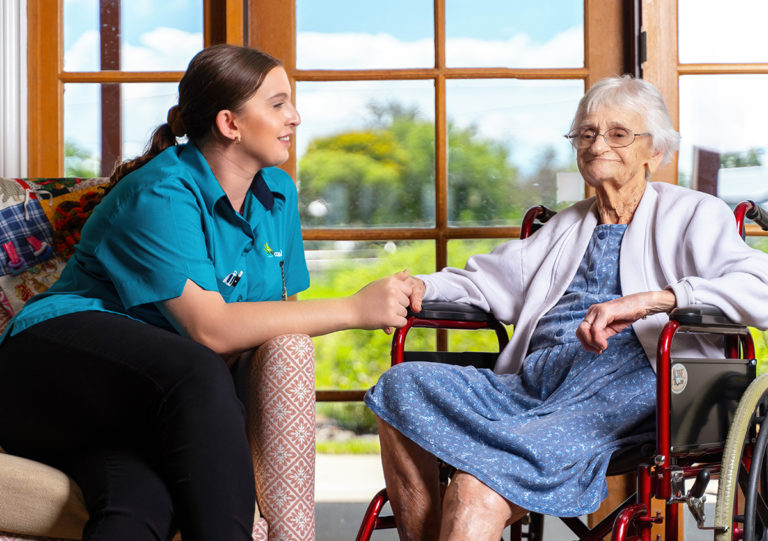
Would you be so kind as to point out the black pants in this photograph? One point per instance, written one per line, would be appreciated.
(145, 421)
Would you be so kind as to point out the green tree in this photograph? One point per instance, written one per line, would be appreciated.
(78, 162)
(384, 175)
(751, 157)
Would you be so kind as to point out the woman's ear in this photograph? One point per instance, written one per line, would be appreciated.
(653, 163)
(227, 125)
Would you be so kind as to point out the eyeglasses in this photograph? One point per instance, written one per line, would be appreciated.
(615, 137)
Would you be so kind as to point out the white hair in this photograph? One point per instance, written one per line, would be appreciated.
(626, 92)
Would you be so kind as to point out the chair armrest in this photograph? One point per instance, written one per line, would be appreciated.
(452, 311)
(277, 386)
(703, 316)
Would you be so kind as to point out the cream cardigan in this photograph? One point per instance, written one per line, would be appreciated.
(678, 238)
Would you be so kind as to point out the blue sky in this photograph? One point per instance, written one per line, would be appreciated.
(404, 19)
(137, 17)
(413, 19)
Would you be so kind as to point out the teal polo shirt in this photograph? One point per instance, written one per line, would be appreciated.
(168, 222)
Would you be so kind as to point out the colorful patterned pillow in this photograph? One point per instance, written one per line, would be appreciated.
(40, 222)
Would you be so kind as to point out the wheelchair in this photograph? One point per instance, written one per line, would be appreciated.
(708, 425)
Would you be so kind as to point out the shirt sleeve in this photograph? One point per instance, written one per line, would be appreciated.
(155, 242)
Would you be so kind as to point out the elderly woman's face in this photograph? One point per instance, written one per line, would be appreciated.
(600, 163)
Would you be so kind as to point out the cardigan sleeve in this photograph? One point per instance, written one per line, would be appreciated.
(493, 282)
(720, 268)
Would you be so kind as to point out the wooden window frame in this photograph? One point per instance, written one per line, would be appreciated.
(223, 21)
(663, 68)
(273, 29)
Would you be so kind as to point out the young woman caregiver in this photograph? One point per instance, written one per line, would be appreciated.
(182, 265)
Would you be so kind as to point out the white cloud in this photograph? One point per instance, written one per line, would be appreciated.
(717, 31)
(563, 50)
(318, 50)
(361, 51)
(162, 49)
(84, 53)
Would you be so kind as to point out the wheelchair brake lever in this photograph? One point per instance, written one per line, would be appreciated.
(696, 497)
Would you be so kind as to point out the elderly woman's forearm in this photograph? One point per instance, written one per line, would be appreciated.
(663, 301)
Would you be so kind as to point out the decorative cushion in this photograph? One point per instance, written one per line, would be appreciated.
(40, 222)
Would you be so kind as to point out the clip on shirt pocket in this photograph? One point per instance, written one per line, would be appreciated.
(233, 278)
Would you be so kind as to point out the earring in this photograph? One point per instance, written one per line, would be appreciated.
(237, 140)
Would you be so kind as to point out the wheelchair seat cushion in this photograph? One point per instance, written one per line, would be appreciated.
(543, 438)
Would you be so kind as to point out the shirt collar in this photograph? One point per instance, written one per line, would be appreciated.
(211, 189)
(262, 192)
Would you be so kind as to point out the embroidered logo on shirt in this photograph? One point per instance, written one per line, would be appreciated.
(270, 252)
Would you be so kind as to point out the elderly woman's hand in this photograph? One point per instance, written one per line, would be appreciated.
(609, 318)
(417, 292)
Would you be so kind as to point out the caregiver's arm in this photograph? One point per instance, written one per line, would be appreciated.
(205, 317)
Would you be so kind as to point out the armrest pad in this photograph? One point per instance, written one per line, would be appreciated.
(452, 311)
(703, 315)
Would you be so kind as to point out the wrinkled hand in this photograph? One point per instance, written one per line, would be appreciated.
(417, 293)
(383, 304)
(609, 318)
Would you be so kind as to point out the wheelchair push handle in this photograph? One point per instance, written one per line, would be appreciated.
(758, 215)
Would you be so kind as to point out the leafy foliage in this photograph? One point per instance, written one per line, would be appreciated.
(78, 162)
(384, 175)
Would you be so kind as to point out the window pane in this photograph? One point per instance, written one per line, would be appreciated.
(717, 31)
(723, 152)
(349, 34)
(355, 359)
(146, 103)
(506, 150)
(500, 33)
(82, 129)
(459, 251)
(153, 36)
(81, 35)
(366, 153)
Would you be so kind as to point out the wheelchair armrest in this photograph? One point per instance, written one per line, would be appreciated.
(452, 311)
(703, 316)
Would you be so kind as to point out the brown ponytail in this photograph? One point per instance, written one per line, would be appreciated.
(161, 139)
(218, 77)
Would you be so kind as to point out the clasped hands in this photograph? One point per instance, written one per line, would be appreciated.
(383, 304)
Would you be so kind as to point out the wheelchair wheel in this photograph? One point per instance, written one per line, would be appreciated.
(745, 466)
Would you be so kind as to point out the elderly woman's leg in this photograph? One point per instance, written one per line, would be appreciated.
(413, 486)
(474, 512)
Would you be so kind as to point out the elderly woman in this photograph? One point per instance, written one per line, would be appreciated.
(588, 295)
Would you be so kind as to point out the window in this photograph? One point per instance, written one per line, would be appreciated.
(713, 59)
(428, 128)
(103, 73)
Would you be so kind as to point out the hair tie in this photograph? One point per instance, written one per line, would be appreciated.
(176, 122)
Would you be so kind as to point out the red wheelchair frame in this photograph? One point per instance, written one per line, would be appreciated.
(661, 475)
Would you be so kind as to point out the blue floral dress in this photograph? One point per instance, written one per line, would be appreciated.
(541, 438)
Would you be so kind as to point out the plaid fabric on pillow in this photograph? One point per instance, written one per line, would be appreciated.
(40, 222)
(26, 236)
